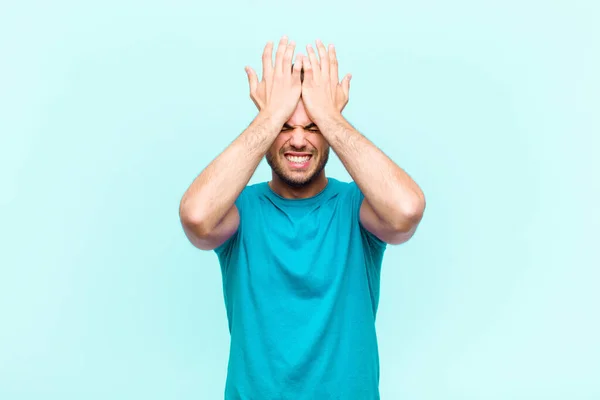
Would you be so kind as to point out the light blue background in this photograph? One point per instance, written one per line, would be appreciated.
(109, 111)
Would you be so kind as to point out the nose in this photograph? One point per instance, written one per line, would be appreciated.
(298, 138)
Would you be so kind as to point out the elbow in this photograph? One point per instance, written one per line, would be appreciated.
(409, 215)
(195, 227)
(194, 221)
(417, 208)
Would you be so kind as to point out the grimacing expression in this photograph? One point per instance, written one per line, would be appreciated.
(300, 152)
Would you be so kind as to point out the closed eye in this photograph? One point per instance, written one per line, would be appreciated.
(310, 127)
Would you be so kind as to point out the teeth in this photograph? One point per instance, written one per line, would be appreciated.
(297, 159)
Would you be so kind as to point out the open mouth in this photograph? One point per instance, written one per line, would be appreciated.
(298, 161)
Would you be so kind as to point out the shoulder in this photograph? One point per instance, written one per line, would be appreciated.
(244, 204)
(344, 188)
(250, 192)
(349, 191)
(356, 198)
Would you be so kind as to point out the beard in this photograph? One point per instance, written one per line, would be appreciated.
(296, 180)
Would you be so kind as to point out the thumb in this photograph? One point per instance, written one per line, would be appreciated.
(346, 84)
(252, 78)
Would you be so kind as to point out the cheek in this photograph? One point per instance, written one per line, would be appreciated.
(322, 147)
(318, 142)
(279, 143)
(275, 147)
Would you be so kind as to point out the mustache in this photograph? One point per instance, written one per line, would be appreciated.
(301, 150)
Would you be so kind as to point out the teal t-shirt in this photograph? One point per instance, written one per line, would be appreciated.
(301, 289)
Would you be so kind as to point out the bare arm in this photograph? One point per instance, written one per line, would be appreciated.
(394, 204)
(207, 210)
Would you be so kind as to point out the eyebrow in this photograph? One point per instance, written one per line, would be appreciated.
(309, 126)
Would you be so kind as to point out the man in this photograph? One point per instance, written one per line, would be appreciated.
(301, 255)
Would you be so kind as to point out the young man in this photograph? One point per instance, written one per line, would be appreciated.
(301, 254)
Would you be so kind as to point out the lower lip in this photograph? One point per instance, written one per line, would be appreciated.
(300, 165)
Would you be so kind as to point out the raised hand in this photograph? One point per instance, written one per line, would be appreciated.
(322, 92)
(279, 91)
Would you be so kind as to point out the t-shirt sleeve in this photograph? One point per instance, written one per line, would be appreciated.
(371, 241)
(224, 250)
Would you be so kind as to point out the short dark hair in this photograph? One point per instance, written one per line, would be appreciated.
(301, 73)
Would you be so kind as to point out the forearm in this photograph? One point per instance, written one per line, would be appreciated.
(392, 194)
(213, 193)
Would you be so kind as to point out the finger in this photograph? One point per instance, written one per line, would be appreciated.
(267, 61)
(333, 65)
(287, 57)
(323, 59)
(346, 85)
(252, 79)
(308, 70)
(297, 68)
(314, 63)
(280, 52)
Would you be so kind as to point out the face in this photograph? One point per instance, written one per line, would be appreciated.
(300, 152)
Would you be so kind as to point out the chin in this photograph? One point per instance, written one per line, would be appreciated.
(296, 179)
(297, 174)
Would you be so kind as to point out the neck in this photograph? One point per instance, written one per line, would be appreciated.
(302, 192)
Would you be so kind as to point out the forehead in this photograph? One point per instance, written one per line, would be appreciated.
(299, 117)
